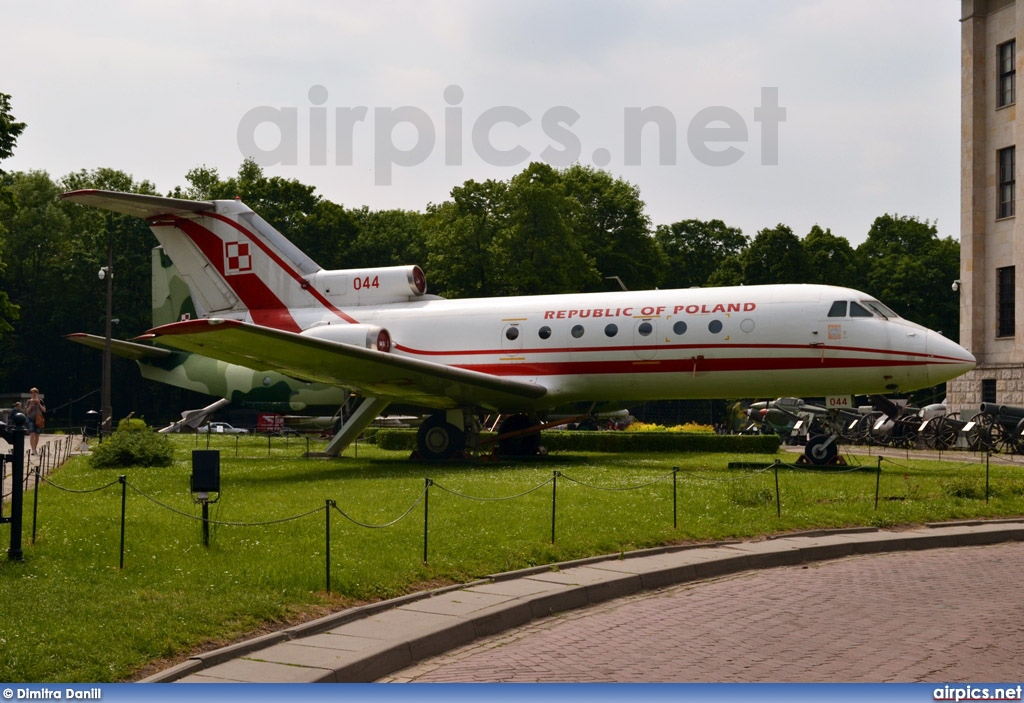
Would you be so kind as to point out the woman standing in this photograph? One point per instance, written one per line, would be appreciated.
(34, 410)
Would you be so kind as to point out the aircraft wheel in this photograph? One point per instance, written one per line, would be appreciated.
(525, 445)
(820, 449)
(438, 440)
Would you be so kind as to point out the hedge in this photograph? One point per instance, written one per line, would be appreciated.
(568, 441)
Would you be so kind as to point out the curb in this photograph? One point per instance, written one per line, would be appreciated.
(365, 643)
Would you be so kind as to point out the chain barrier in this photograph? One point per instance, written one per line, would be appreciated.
(619, 488)
(422, 498)
(483, 498)
(386, 524)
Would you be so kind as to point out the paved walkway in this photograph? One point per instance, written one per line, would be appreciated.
(53, 451)
(939, 615)
(883, 611)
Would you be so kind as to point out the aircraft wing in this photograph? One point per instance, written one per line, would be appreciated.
(118, 347)
(365, 371)
(137, 204)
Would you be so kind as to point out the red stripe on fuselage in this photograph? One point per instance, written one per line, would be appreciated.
(705, 365)
(698, 348)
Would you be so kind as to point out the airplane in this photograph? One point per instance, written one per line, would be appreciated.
(376, 332)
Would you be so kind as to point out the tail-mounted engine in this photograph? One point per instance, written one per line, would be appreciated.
(371, 286)
(368, 336)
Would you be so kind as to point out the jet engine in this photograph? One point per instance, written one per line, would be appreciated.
(370, 286)
(368, 336)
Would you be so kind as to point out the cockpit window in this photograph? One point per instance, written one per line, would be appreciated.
(879, 308)
(858, 310)
(838, 309)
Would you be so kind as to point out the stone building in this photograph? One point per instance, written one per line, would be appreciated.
(991, 241)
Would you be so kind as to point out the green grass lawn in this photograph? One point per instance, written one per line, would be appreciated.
(69, 613)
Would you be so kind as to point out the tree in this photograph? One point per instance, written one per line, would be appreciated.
(909, 268)
(387, 238)
(830, 259)
(695, 249)
(537, 251)
(10, 129)
(460, 237)
(775, 256)
(611, 223)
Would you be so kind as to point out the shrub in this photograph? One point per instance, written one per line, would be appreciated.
(688, 428)
(568, 441)
(133, 444)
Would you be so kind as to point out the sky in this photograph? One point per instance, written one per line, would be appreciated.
(754, 112)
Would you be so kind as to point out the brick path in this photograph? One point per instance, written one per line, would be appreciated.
(943, 615)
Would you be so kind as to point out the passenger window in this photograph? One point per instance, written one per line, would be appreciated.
(679, 327)
(645, 328)
(577, 331)
(512, 333)
(715, 326)
(857, 310)
(611, 330)
(544, 332)
(838, 309)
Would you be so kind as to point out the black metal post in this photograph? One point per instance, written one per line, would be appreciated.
(554, 500)
(327, 513)
(124, 501)
(675, 503)
(35, 506)
(878, 481)
(987, 455)
(17, 438)
(426, 515)
(206, 523)
(778, 498)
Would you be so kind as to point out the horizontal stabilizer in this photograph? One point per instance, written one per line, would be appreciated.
(365, 371)
(136, 204)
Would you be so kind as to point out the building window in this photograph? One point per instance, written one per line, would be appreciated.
(1005, 312)
(988, 390)
(1006, 182)
(1005, 87)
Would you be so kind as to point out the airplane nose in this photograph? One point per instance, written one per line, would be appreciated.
(948, 359)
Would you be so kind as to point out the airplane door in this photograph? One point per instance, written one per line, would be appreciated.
(512, 338)
(645, 338)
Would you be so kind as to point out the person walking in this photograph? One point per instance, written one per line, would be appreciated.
(34, 410)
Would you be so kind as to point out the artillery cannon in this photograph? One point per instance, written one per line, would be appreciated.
(940, 430)
(998, 428)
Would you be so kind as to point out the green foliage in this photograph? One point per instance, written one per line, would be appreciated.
(695, 250)
(10, 129)
(905, 264)
(775, 256)
(133, 444)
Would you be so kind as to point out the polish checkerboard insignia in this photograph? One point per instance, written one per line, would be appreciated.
(237, 258)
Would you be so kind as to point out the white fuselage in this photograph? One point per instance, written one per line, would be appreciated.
(748, 341)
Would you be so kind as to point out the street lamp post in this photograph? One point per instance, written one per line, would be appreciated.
(107, 272)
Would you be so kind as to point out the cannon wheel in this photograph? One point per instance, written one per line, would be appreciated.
(932, 433)
(979, 438)
(1000, 438)
(945, 430)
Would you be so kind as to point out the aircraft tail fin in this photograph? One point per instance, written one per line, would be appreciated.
(237, 266)
(230, 258)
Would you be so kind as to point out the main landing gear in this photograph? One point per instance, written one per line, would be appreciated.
(454, 433)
